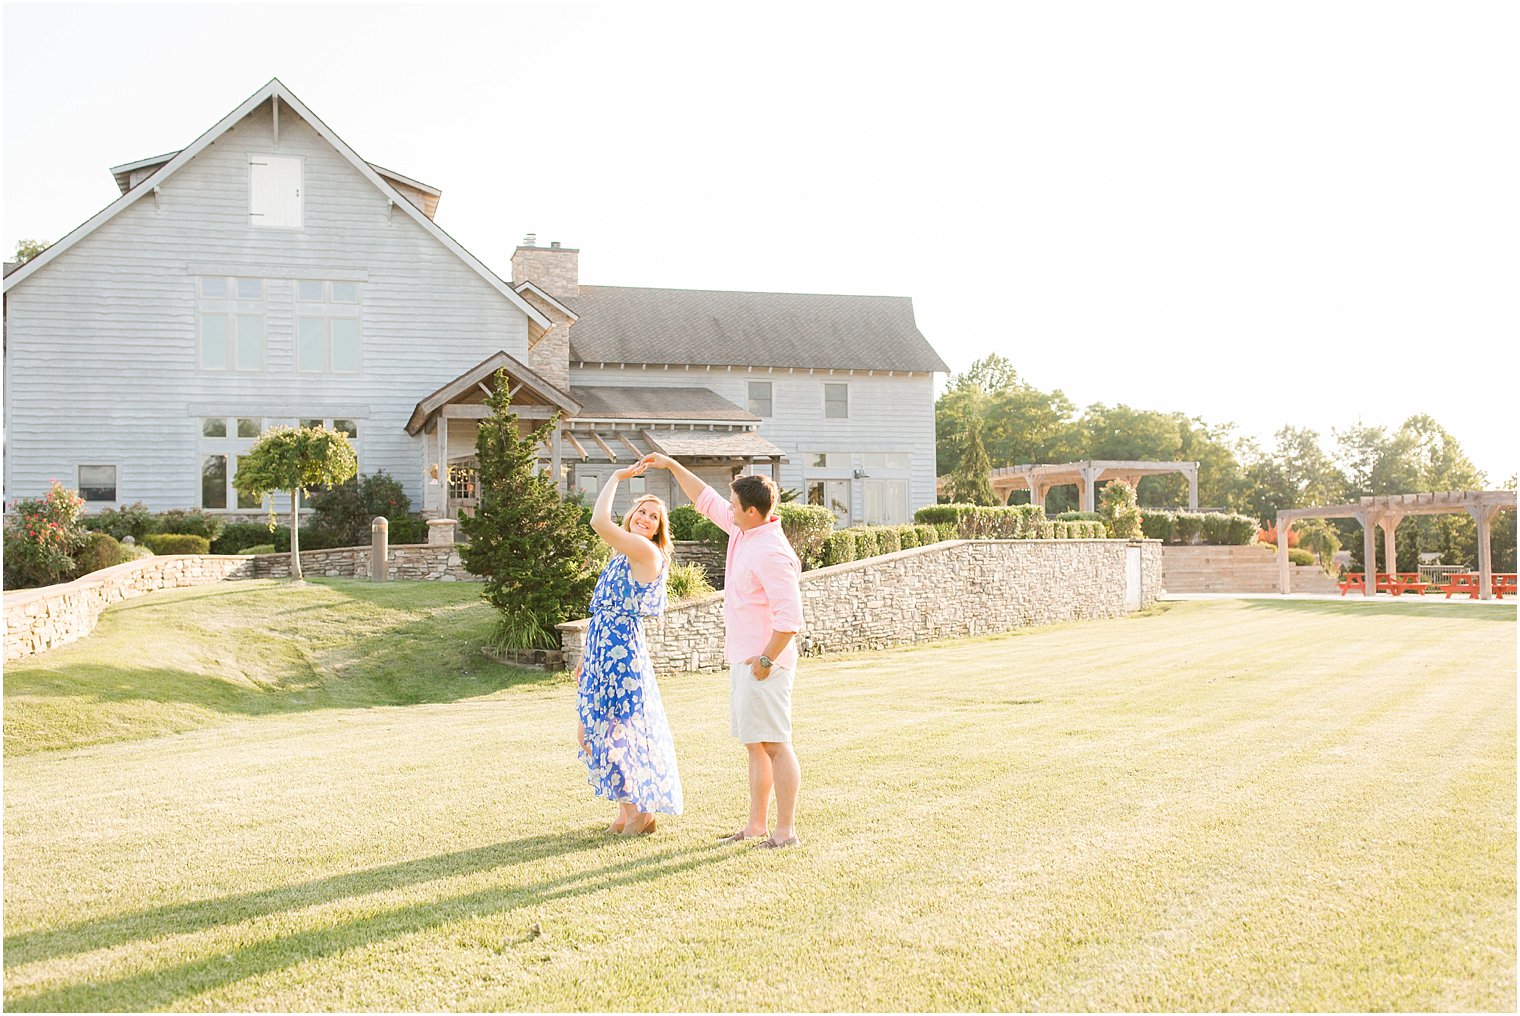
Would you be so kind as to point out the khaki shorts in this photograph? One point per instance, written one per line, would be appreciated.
(760, 710)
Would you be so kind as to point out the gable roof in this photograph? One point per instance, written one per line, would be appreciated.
(463, 387)
(276, 91)
(621, 324)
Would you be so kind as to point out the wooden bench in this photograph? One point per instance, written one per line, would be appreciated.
(1461, 582)
(1352, 580)
(1383, 582)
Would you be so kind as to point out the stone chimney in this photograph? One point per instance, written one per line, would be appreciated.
(554, 269)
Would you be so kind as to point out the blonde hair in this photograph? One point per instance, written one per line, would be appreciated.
(661, 537)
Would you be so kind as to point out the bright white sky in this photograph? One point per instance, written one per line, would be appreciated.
(1264, 213)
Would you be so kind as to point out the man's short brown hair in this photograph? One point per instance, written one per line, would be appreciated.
(757, 492)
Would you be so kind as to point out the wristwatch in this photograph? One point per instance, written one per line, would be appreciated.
(765, 661)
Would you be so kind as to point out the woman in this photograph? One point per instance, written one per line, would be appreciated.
(624, 736)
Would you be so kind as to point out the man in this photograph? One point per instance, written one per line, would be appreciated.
(762, 611)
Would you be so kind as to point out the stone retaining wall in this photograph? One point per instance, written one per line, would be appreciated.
(436, 562)
(39, 619)
(961, 587)
(711, 559)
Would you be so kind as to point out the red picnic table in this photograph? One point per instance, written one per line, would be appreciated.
(1352, 580)
(1502, 583)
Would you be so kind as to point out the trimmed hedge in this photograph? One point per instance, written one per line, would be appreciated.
(839, 547)
(975, 522)
(1225, 529)
(806, 526)
(177, 543)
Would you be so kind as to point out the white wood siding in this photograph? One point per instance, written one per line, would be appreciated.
(101, 362)
(887, 414)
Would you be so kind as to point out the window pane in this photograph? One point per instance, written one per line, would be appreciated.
(214, 481)
(836, 404)
(249, 428)
(815, 492)
(214, 428)
(243, 500)
(345, 292)
(250, 289)
(873, 460)
(306, 290)
(97, 483)
(587, 482)
(215, 351)
(312, 423)
(897, 460)
(636, 485)
(250, 344)
(311, 350)
(760, 398)
(345, 345)
(346, 427)
(214, 287)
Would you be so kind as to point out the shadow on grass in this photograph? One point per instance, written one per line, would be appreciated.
(278, 667)
(161, 988)
(1462, 611)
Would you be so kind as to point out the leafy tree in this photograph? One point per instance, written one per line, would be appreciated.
(1319, 538)
(526, 541)
(342, 515)
(972, 483)
(1121, 515)
(295, 459)
(28, 249)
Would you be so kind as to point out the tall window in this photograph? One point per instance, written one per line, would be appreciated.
(828, 481)
(833, 495)
(230, 320)
(760, 398)
(226, 439)
(274, 192)
(327, 327)
(886, 502)
(836, 400)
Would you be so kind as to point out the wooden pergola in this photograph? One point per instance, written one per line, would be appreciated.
(1387, 512)
(1039, 479)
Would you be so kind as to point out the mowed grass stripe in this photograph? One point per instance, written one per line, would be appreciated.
(1203, 808)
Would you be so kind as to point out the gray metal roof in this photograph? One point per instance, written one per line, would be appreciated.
(620, 324)
(630, 403)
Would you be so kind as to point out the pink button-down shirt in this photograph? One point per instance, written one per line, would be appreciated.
(760, 585)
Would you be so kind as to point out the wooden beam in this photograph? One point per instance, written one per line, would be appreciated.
(476, 411)
(576, 445)
(611, 455)
(631, 446)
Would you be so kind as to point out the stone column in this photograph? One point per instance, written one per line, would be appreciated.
(441, 531)
(379, 549)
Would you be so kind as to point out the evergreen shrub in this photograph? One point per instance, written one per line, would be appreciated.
(527, 542)
(188, 523)
(806, 526)
(100, 550)
(683, 519)
(839, 547)
(177, 543)
(134, 520)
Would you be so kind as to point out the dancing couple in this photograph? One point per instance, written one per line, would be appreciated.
(622, 729)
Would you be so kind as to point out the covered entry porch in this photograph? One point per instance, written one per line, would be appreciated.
(448, 421)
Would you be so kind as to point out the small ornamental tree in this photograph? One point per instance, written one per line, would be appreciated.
(295, 459)
(1117, 506)
(971, 482)
(527, 542)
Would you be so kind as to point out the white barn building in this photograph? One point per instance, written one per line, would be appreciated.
(268, 275)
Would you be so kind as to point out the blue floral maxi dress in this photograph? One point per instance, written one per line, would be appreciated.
(629, 753)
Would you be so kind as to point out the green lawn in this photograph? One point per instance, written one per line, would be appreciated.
(1218, 805)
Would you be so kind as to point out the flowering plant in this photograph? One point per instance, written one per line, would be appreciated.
(42, 537)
